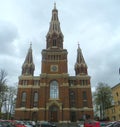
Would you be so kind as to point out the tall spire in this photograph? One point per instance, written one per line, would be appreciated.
(54, 36)
(80, 65)
(54, 24)
(28, 66)
(54, 5)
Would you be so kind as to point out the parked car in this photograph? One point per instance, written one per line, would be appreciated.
(109, 123)
(47, 124)
(114, 124)
(80, 125)
(6, 123)
(19, 124)
(28, 124)
(103, 124)
(91, 123)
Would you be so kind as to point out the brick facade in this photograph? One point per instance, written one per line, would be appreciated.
(54, 95)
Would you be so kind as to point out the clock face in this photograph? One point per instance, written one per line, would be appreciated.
(54, 67)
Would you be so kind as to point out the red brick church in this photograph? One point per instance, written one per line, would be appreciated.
(54, 95)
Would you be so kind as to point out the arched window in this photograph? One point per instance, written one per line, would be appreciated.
(35, 96)
(54, 90)
(72, 99)
(54, 42)
(72, 95)
(23, 96)
(35, 101)
(23, 102)
(84, 95)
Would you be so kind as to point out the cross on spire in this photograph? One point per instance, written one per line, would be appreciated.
(30, 44)
(78, 44)
(54, 5)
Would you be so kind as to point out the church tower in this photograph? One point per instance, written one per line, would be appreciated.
(54, 57)
(54, 95)
(80, 65)
(28, 65)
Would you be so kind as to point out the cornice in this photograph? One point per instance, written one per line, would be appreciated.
(45, 75)
(60, 106)
(28, 86)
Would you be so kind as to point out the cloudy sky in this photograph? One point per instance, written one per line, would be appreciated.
(95, 24)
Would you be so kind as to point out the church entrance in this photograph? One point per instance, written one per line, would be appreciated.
(53, 113)
(34, 116)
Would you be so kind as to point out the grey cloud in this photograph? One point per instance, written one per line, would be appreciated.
(8, 33)
(95, 24)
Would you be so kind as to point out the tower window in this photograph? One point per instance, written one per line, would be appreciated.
(35, 96)
(54, 90)
(35, 99)
(23, 99)
(54, 42)
(54, 17)
(24, 96)
(84, 95)
(83, 82)
(72, 99)
(85, 104)
(25, 82)
(36, 82)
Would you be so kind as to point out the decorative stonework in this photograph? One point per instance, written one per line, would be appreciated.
(37, 101)
(54, 102)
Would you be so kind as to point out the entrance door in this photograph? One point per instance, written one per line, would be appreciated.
(73, 116)
(53, 114)
(34, 116)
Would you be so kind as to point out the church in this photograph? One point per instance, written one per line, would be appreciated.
(54, 95)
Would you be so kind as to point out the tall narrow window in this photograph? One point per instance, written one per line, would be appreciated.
(72, 99)
(36, 82)
(25, 82)
(54, 90)
(54, 42)
(35, 99)
(85, 104)
(23, 99)
(54, 16)
(84, 95)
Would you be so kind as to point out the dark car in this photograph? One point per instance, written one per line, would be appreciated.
(115, 124)
(47, 124)
(6, 123)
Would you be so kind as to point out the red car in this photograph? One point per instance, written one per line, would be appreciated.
(91, 123)
(19, 124)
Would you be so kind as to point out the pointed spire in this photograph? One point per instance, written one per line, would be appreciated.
(54, 24)
(54, 36)
(80, 58)
(80, 66)
(28, 66)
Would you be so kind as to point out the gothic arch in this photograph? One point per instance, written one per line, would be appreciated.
(54, 102)
(54, 89)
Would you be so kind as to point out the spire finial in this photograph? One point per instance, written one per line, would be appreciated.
(78, 44)
(54, 5)
(30, 44)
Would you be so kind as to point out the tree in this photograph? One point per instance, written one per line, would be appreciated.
(102, 98)
(3, 80)
(9, 104)
(3, 87)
